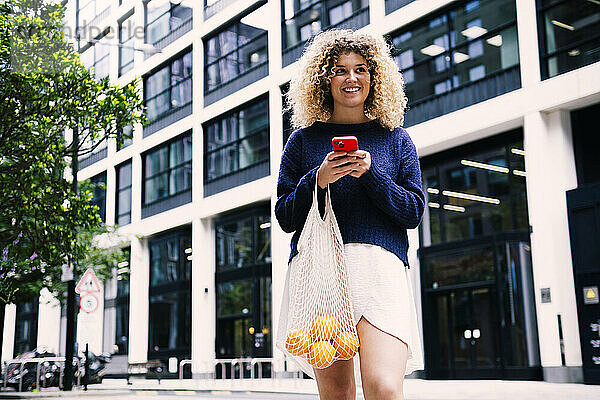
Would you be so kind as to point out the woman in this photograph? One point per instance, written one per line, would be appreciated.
(348, 84)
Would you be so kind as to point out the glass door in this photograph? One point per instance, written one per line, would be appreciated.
(465, 328)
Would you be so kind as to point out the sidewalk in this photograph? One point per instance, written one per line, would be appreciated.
(414, 389)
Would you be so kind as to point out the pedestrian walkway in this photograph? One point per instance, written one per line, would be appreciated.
(414, 389)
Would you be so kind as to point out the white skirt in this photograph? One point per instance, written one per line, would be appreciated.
(381, 292)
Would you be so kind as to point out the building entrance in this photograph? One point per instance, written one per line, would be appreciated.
(479, 311)
(466, 331)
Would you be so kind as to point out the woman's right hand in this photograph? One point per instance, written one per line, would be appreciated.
(332, 168)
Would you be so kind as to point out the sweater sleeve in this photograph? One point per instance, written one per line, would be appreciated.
(294, 189)
(403, 200)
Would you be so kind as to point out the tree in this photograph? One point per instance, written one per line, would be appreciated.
(46, 92)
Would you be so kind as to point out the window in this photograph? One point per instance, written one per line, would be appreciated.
(123, 200)
(168, 170)
(169, 88)
(126, 32)
(235, 51)
(97, 57)
(475, 190)
(452, 49)
(237, 140)
(303, 19)
(26, 327)
(243, 284)
(125, 138)
(164, 17)
(116, 308)
(570, 35)
(99, 194)
(170, 295)
(87, 10)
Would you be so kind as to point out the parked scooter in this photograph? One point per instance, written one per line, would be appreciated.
(49, 371)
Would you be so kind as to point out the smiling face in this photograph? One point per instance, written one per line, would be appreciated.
(350, 84)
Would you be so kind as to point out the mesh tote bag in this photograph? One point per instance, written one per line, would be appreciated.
(316, 326)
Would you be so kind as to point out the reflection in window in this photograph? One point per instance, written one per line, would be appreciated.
(126, 32)
(99, 194)
(570, 32)
(235, 50)
(170, 294)
(237, 140)
(464, 44)
(164, 17)
(169, 88)
(123, 206)
(26, 327)
(304, 19)
(168, 170)
(472, 193)
(243, 284)
(97, 57)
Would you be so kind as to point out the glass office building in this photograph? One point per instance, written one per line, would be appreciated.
(502, 96)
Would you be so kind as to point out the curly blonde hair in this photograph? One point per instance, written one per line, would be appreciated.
(309, 97)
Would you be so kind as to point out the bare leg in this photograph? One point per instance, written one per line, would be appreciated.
(337, 381)
(382, 363)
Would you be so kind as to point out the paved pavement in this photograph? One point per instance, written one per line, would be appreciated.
(414, 389)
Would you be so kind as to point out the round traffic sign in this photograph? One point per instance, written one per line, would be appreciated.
(88, 303)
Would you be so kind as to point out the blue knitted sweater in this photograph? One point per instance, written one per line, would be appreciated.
(376, 208)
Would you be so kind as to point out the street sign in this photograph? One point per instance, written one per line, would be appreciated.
(67, 273)
(88, 283)
(88, 303)
(590, 295)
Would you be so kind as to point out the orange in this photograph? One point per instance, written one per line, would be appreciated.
(324, 327)
(297, 342)
(346, 345)
(321, 354)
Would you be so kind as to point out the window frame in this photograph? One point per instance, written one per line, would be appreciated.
(171, 86)
(167, 144)
(236, 23)
(124, 68)
(119, 189)
(248, 136)
(147, 23)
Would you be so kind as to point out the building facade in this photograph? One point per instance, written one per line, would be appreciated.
(501, 99)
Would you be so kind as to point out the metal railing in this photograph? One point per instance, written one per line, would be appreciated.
(221, 366)
(38, 361)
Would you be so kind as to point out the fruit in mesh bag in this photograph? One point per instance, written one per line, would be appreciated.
(346, 345)
(321, 354)
(324, 327)
(298, 342)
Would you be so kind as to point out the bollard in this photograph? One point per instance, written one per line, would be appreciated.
(86, 367)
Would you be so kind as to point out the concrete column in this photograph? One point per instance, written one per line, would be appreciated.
(528, 42)
(203, 298)
(49, 322)
(138, 300)
(8, 336)
(550, 168)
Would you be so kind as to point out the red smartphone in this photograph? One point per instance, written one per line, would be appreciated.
(344, 143)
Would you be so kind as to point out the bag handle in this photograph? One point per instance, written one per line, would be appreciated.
(315, 204)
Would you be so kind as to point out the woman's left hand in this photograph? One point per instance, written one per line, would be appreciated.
(363, 162)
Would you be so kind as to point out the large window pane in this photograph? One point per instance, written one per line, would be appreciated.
(462, 45)
(169, 88)
(164, 17)
(237, 140)
(572, 29)
(99, 194)
(243, 284)
(472, 193)
(123, 194)
(168, 170)
(235, 50)
(234, 298)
